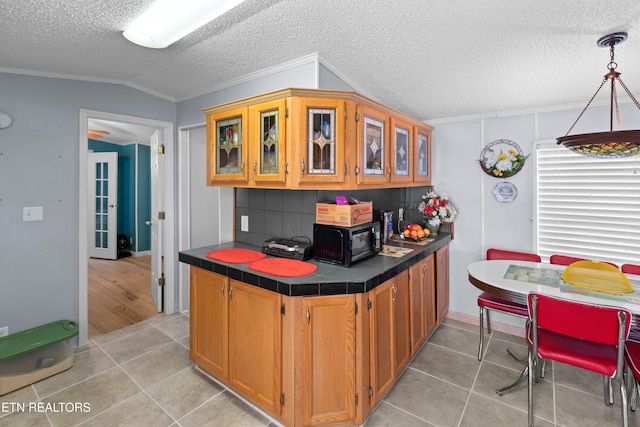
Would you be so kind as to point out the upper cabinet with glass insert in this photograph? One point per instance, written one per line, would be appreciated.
(315, 139)
(227, 146)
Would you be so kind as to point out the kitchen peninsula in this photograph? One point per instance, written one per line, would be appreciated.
(320, 349)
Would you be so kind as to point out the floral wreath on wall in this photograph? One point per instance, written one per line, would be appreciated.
(502, 158)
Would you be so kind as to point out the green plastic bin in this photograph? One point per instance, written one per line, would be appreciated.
(37, 353)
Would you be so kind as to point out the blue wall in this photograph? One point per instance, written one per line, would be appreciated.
(144, 198)
(130, 158)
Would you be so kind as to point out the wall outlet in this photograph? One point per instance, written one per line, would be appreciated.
(400, 214)
(4, 331)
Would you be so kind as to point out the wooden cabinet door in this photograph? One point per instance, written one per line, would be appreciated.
(401, 155)
(401, 322)
(422, 303)
(442, 282)
(329, 360)
(422, 155)
(255, 344)
(320, 138)
(373, 165)
(227, 153)
(209, 334)
(429, 283)
(417, 306)
(382, 343)
(267, 142)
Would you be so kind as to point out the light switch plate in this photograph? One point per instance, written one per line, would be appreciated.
(33, 213)
(244, 223)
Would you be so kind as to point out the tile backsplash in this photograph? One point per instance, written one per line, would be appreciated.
(289, 213)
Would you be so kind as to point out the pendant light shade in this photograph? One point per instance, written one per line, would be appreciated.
(618, 143)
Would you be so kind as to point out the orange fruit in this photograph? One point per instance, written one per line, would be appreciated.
(426, 232)
(406, 233)
(414, 234)
(420, 233)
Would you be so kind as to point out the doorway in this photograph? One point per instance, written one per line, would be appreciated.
(163, 185)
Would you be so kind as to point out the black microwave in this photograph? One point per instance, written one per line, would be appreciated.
(346, 245)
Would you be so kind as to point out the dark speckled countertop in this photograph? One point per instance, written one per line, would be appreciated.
(328, 279)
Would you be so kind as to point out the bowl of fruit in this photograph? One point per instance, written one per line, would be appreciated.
(415, 232)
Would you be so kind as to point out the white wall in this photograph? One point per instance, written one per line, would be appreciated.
(483, 222)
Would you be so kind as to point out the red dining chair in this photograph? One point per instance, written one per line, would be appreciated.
(587, 336)
(631, 269)
(632, 357)
(567, 260)
(635, 327)
(487, 301)
(632, 347)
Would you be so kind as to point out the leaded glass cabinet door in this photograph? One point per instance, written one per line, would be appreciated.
(402, 151)
(373, 163)
(268, 141)
(322, 158)
(422, 157)
(227, 145)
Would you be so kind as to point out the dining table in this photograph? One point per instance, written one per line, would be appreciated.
(513, 280)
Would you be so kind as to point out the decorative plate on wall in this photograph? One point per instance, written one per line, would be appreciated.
(502, 158)
(505, 192)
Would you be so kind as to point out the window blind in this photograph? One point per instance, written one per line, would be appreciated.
(586, 207)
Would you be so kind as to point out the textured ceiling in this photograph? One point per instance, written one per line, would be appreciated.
(431, 59)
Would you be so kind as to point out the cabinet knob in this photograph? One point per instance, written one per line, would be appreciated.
(395, 293)
(302, 167)
(308, 316)
(255, 168)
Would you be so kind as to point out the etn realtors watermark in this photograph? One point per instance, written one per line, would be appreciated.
(6, 407)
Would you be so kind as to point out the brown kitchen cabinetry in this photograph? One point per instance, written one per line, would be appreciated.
(315, 360)
(422, 302)
(227, 153)
(255, 347)
(315, 139)
(422, 155)
(372, 163)
(442, 282)
(328, 392)
(389, 329)
(236, 336)
(267, 139)
(402, 150)
(209, 331)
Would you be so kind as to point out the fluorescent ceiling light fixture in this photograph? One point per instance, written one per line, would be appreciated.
(169, 20)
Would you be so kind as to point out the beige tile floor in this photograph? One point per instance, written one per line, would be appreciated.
(142, 376)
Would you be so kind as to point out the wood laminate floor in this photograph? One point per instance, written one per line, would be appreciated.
(119, 293)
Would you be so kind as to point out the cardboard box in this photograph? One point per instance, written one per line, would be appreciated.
(35, 354)
(344, 215)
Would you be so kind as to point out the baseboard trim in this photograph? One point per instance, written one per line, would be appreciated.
(474, 320)
(141, 253)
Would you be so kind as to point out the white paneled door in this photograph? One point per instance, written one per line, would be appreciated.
(157, 220)
(103, 205)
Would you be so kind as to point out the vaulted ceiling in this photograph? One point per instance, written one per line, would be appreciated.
(431, 59)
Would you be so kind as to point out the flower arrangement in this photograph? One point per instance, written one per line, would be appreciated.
(504, 163)
(436, 209)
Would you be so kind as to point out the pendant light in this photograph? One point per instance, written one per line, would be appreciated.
(613, 143)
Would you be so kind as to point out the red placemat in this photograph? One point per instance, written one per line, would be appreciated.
(283, 267)
(236, 255)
